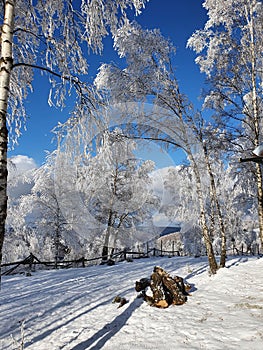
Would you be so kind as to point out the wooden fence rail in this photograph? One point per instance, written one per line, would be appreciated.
(31, 261)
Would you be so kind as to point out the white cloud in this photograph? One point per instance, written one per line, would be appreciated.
(20, 175)
(22, 164)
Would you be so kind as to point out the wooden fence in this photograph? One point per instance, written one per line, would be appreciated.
(30, 262)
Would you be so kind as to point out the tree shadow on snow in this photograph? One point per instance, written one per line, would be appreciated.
(58, 326)
(110, 329)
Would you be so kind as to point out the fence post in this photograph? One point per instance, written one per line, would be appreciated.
(31, 260)
(154, 251)
(173, 248)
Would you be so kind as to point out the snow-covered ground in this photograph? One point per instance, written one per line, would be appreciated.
(73, 310)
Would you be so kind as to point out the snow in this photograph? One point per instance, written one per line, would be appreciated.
(73, 310)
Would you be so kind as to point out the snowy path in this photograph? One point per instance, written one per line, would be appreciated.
(73, 310)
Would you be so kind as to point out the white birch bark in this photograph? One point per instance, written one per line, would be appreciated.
(5, 73)
(213, 194)
(205, 231)
(256, 117)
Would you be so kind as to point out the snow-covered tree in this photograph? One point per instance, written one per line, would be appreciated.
(39, 218)
(42, 215)
(20, 181)
(49, 36)
(150, 75)
(115, 188)
(230, 53)
(236, 200)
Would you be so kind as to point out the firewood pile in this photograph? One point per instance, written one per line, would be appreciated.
(162, 290)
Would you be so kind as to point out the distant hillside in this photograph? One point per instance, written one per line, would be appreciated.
(170, 229)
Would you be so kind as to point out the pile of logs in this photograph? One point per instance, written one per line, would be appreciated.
(161, 290)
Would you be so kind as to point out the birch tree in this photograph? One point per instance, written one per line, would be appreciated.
(51, 36)
(230, 52)
(209, 141)
(149, 74)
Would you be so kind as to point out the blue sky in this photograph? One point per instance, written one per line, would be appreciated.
(176, 19)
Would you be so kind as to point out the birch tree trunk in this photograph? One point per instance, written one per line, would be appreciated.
(218, 208)
(116, 233)
(260, 202)
(205, 231)
(105, 248)
(6, 64)
(256, 117)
